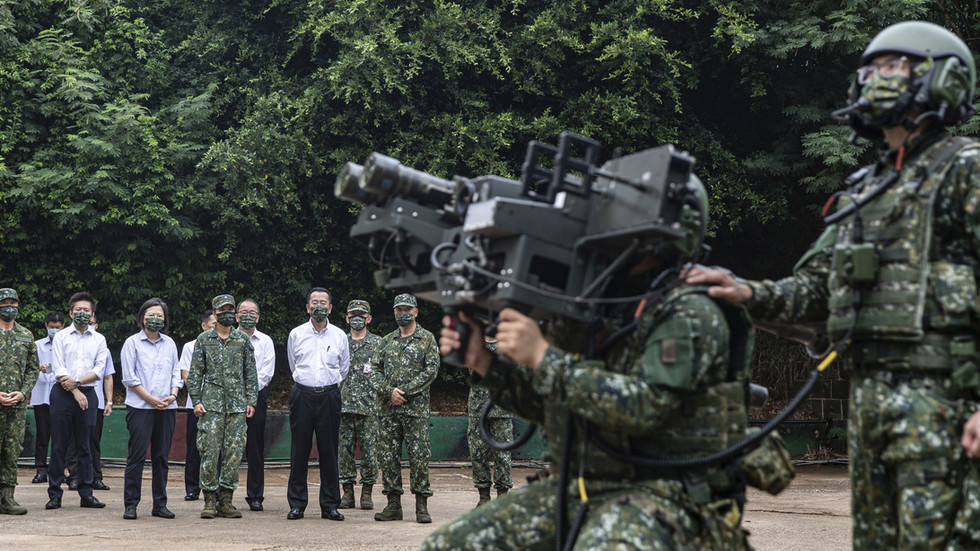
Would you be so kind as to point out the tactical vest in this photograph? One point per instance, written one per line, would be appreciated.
(901, 285)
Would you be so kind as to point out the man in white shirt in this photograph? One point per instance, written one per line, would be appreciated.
(40, 395)
(319, 360)
(78, 356)
(265, 367)
(192, 460)
(103, 393)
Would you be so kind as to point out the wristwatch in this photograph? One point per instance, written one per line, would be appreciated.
(78, 383)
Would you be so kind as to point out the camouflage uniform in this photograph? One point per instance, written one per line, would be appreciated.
(410, 364)
(359, 413)
(18, 370)
(653, 382)
(501, 426)
(222, 379)
(913, 357)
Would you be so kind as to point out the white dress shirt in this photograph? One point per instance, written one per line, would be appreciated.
(318, 358)
(265, 357)
(109, 369)
(41, 395)
(75, 353)
(186, 354)
(152, 365)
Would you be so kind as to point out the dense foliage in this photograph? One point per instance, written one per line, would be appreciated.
(182, 149)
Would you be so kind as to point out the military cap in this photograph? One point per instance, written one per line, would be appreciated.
(221, 300)
(405, 299)
(8, 293)
(359, 305)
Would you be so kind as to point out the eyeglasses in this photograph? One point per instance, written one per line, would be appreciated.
(886, 67)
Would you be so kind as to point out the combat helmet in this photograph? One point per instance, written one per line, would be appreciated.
(941, 85)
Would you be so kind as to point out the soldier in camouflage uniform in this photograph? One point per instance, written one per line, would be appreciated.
(223, 386)
(674, 387)
(405, 365)
(895, 275)
(359, 410)
(18, 368)
(501, 427)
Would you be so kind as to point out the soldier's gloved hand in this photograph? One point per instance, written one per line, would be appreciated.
(520, 338)
(971, 436)
(477, 356)
(722, 285)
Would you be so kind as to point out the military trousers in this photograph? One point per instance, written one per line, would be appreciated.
(621, 516)
(358, 430)
(13, 422)
(906, 463)
(414, 432)
(502, 430)
(148, 429)
(220, 437)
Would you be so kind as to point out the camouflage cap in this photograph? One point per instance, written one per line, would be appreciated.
(405, 299)
(8, 293)
(221, 300)
(361, 305)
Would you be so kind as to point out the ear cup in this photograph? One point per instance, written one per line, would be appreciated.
(948, 82)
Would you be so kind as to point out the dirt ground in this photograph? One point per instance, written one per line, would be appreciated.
(811, 515)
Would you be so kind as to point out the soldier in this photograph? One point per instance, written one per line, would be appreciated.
(501, 428)
(673, 385)
(265, 366)
(40, 396)
(18, 366)
(359, 411)
(222, 384)
(319, 360)
(895, 275)
(405, 365)
(192, 461)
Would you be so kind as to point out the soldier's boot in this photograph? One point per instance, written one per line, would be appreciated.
(484, 496)
(210, 509)
(392, 511)
(366, 501)
(421, 511)
(501, 491)
(225, 508)
(347, 500)
(8, 505)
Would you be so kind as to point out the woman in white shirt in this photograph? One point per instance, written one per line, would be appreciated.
(152, 377)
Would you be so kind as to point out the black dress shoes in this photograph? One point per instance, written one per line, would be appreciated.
(192, 497)
(99, 485)
(332, 514)
(72, 484)
(255, 505)
(39, 478)
(130, 513)
(295, 513)
(53, 503)
(162, 512)
(92, 503)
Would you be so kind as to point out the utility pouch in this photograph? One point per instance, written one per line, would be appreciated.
(856, 262)
(768, 466)
(966, 371)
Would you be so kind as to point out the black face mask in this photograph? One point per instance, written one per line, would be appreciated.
(227, 319)
(8, 313)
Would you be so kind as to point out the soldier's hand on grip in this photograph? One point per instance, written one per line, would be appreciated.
(520, 338)
(477, 357)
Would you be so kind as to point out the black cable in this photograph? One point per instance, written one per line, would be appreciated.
(488, 438)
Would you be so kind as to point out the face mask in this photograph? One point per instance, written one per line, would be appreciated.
(154, 325)
(52, 333)
(8, 313)
(81, 319)
(357, 322)
(247, 322)
(227, 319)
(319, 313)
(404, 319)
(882, 93)
(491, 346)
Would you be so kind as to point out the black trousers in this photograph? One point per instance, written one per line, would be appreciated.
(42, 436)
(153, 429)
(255, 450)
(192, 460)
(94, 446)
(314, 413)
(67, 420)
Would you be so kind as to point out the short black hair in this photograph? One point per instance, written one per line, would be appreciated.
(78, 297)
(255, 302)
(155, 301)
(206, 316)
(319, 290)
(56, 317)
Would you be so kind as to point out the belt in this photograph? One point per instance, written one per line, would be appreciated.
(909, 356)
(316, 389)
